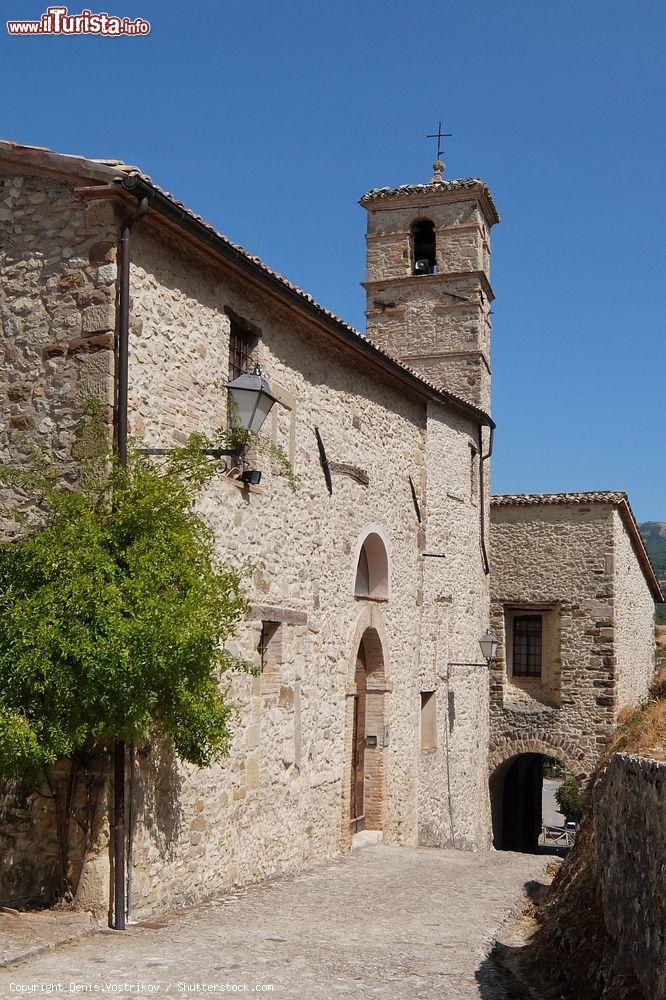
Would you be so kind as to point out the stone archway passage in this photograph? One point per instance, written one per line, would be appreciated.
(516, 768)
(515, 794)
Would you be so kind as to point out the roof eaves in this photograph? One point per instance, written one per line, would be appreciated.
(434, 188)
(631, 524)
(534, 499)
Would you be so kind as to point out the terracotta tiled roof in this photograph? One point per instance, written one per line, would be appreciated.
(617, 498)
(471, 183)
(533, 499)
(117, 172)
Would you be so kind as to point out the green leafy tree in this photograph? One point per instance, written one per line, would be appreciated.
(568, 799)
(114, 611)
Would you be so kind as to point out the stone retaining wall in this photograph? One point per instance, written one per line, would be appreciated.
(630, 833)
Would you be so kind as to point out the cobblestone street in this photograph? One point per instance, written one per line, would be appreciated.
(382, 922)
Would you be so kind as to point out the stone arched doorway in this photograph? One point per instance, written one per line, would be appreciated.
(516, 786)
(364, 797)
(516, 781)
(515, 796)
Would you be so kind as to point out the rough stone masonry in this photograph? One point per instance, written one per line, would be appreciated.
(288, 793)
(370, 585)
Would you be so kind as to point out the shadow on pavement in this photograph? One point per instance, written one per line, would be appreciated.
(504, 975)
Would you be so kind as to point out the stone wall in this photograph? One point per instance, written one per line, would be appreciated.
(633, 622)
(557, 559)
(279, 801)
(630, 831)
(57, 292)
(453, 808)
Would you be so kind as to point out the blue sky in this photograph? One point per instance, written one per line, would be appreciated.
(271, 119)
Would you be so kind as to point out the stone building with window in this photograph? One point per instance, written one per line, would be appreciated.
(573, 594)
(369, 713)
(370, 582)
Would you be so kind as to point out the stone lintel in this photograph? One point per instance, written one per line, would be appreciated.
(99, 342)
(271, 613)
(399, 234)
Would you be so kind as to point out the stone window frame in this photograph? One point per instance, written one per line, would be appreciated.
(270, 645)
(546, 689)
(428, 719)
(244, 338)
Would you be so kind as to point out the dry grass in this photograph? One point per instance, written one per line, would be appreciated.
(660, 639)
(643, 730)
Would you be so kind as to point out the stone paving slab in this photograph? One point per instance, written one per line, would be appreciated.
(383, 922)
(30, 933)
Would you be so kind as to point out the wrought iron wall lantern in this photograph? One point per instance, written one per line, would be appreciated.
(252, 402)
(488, 644)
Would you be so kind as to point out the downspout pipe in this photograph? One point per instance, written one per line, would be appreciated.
(123, 327)
(482, 493)
(122, 377)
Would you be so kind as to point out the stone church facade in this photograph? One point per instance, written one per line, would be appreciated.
(329, 737)
(369, 715)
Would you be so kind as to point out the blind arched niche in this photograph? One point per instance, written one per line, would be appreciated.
(371, 577)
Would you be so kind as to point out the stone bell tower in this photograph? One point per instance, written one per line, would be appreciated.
(427, 284)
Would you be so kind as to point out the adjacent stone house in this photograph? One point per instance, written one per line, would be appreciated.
(573, 595)
(370, 581)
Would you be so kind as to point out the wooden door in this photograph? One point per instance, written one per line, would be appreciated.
(358, 750)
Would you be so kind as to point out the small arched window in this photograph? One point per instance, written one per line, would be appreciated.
(372, 569)
(424, 247)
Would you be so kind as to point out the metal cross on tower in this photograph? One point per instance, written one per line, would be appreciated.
(439, 135)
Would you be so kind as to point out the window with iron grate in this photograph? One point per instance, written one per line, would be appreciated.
(243, 342)
(527, 645)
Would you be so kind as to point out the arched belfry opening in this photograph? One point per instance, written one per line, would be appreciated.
(424, 247)
(371, 577)
(364, 792)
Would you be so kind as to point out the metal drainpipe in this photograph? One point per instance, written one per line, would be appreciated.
(130, 829)
(482, 497)
(122, 374)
